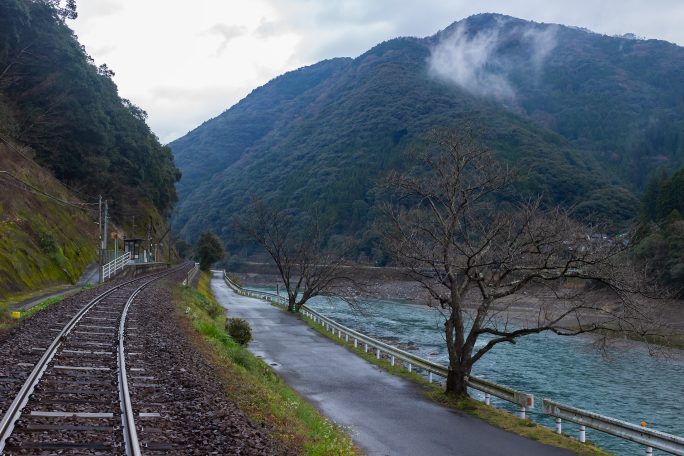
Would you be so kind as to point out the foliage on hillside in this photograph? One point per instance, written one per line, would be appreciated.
(55, 100)
(42, 242)
(583, 129)
(660, 234)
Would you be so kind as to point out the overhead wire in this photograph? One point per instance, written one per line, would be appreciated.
(33, 189)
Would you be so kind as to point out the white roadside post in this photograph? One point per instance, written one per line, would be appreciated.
(559, 426)
(488, 399)
(582, 433)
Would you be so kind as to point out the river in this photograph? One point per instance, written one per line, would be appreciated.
(628, 384)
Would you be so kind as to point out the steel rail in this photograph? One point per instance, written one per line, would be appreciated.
(127, 414)
(13, 412)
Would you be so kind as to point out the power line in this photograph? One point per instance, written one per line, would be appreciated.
(33, 189)
(11, 146)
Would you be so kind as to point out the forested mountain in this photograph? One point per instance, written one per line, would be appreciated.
(55, 100)
(660, 234)
(584, 117)
(67, 136)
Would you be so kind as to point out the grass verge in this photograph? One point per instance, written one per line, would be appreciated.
(25, 296)
(7, 322)
(491, 415)
(253, 385)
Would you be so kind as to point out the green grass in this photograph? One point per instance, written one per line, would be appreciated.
(493, 416)
(7, 322)
(253, 385)
(24, 296)
(42, 306)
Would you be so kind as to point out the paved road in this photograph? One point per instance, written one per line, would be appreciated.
(386, 414)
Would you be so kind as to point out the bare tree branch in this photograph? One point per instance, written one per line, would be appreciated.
(476, 256)
(297, 247)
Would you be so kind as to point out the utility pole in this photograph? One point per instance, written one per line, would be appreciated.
(104, 228)
(149, 241)
(99, 229)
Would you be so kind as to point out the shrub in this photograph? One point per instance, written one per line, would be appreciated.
(239, 330)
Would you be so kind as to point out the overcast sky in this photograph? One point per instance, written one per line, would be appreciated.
(187, 61)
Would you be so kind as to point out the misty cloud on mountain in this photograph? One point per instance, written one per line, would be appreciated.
(474, 61)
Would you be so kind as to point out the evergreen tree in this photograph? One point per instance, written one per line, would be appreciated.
(209, 250)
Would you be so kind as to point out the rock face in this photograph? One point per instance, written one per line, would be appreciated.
(585, 117)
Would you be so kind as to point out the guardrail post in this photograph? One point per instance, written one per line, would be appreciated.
(410, 367)
(430, 377)
(365, 348)
(559, 426)
(583, 434)
(377, 353)
(392, 361)
(649, 451)
(488, 399)
(356, 343)
(522, 412)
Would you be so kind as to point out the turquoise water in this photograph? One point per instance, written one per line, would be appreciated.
(629, 384)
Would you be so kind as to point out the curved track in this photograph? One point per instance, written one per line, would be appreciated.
(76, 399)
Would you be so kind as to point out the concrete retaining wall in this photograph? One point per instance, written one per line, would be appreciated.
(135, 270)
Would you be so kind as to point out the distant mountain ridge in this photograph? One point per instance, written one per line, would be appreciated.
(585, 116)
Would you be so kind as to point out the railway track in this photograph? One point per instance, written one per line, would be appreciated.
(76, 399)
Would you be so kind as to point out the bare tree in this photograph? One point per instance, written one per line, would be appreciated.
(477, 257)
(296, 245)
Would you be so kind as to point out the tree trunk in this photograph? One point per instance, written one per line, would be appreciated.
(456, 382)
(455, 341)
(291, 304)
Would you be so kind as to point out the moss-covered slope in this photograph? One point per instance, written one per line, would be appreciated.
(42, 242)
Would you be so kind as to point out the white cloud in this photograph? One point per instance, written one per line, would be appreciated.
(472, 60)
(152, 45)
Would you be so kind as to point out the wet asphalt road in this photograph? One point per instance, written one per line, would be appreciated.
(386, 415)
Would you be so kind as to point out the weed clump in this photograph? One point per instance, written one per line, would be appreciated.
(239, 330)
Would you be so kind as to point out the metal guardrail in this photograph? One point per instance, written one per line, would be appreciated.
(411, 361)
(648, 437)
(639, 434)
(191, 275)
(114, 266)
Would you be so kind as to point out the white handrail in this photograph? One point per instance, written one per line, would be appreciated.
(110, 269)
(191, 274)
